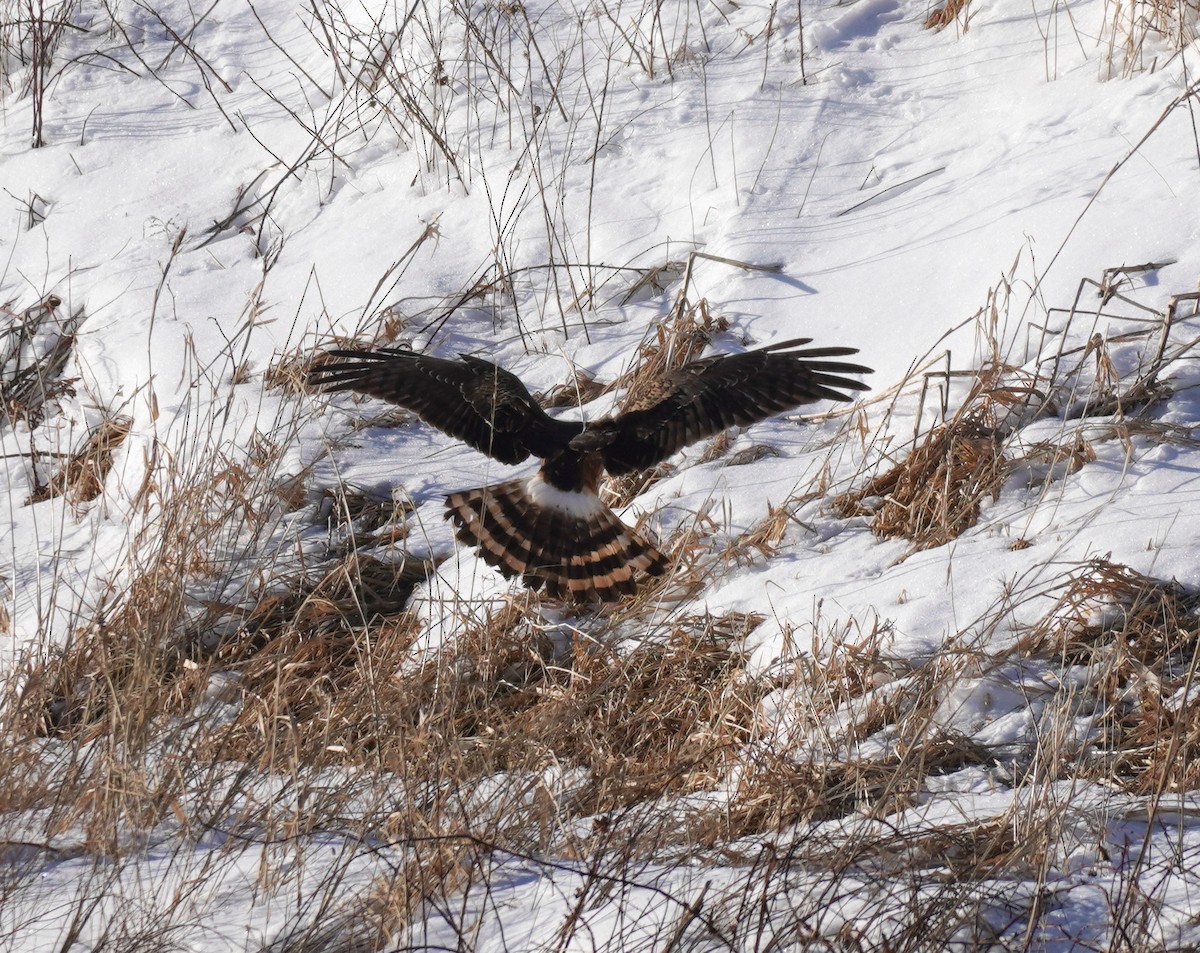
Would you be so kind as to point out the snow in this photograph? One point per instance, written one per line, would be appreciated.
(934, 198)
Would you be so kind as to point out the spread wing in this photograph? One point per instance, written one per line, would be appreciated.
(471, 399)
(704, 397)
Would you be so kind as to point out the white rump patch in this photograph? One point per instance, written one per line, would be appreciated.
(579, 505)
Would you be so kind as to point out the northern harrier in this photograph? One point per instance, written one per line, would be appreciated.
(552, 529)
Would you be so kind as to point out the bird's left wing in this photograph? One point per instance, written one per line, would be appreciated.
(471, 399)
(704, 397)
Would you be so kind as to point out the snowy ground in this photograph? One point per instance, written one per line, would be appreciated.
(221, 190)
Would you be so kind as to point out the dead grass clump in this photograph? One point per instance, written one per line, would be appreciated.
(357, 590)
(1052, 460)
(764, 537)
(580, 390)
(945, 15)
(23, 766)
(857, 734)
(811, 772)
(81, 477)
(971, 851)
(117, 674)
(1108, 604)
(690, 557)
(439, 869)
(935, 494)
(511, 695)
(622, 490)
(134, 696)
(669, 716)
(718, 446)
(366, 519)
(779, 789)
(314, 661)
(752, 454)
(145, 661)
(290, 373)
(1141, 638)
(34, 350)
(465, 695)
(327, 674)
(113, 698)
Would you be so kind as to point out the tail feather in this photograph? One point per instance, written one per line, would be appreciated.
(581, 552)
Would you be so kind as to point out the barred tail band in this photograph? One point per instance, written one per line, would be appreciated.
(571, 543)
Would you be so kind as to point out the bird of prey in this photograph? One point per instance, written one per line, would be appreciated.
(552, 529)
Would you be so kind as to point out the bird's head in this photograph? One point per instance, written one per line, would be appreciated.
(595, 438)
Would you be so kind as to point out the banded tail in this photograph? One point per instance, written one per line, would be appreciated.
(569, 542)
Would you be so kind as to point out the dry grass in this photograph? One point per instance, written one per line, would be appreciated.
(322, 673)
(580, 390)
(654, 727)
(438, 870)
(678, 339)
(113, 671)
(290, 372)
(80, 478)
(764, 537)
(936, 492)
(321, 701)
(365, 520)
(322, 670)
(511, 696)
(1140, 637)
(1144, 34)
(34, 350)
(945, 15)
(668, 716)
(217, 689)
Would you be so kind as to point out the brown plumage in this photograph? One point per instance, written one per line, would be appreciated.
(593, 555)
(552, 529)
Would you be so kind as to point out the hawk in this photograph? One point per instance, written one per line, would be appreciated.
(552, 529)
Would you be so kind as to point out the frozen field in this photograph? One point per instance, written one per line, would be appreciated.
(921, 675)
